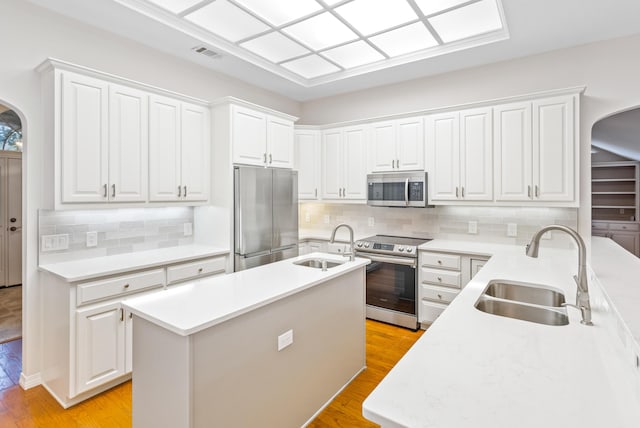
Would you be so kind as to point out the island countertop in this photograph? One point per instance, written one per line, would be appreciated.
(198, 305)
(474, 369)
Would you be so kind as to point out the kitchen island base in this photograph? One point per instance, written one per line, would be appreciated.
(232, 374)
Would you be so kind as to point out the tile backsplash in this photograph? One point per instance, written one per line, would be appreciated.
(119, 231)
(451, 222)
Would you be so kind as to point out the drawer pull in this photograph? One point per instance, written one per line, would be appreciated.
(439, 296)
(199, 270)
(440, 279)
(121, 314)
(439, 262)
(126, 286)
(130, 315)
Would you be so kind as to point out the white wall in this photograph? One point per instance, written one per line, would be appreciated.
(32, 34)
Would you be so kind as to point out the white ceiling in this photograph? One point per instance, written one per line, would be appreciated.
(619, 134)
(535, 26)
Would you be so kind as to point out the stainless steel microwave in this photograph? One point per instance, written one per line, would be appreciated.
(397, 189)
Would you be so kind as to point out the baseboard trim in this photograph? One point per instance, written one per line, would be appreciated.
(28, 382)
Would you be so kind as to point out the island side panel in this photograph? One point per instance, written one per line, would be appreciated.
(161, 388)
(240, 379)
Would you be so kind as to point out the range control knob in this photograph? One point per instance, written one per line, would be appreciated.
(359, 244)
(401, 248)
(409, 249)
(366, 245)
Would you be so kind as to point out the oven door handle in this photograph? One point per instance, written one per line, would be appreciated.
(406, 191)
(394, 260)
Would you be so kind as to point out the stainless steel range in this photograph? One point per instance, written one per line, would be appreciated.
(392, 278)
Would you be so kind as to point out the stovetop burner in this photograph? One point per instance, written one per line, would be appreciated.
(393, 245)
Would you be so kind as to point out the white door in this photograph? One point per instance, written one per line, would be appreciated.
(383, 146)
(410, 144)
(279, 143)
(128, 144)
(553, 146)
(513, 152)
(354, 163)
(195, 143)
(476, 162)
(99, 345)
(248, 136)
(84, 142)
(13, 203)
(164, 149)
(308, 163)
(443, 140)
(332, 164)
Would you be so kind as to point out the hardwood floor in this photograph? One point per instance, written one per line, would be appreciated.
(386, 344)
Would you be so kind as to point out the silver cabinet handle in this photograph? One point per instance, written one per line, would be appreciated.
(463, 191)
(537, 192)
(125, 286)
(121, 314)
(439, 262)
(270, 159)
(439, 296)
(179, 191)
(440, 279)
(185, 191)
(113, 190)
(264, 156)
(456, 191)
(529, 191)
(397, 163)
(316, 193)
(130, 315)
(104, 190)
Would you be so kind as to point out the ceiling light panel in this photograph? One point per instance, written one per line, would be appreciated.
(275, 47)
(404, 40)
(311, 66)
(279, 12)
(429, 7)
(226, 20)
(372, 16)
(321, 31)
(175, 6)
(468, 21)
(354, 54)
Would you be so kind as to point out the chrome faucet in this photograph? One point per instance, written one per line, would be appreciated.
(582, 293)
(351, 253)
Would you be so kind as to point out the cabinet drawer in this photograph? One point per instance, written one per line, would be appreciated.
(438, 294)
(429, 311)
(195, 269)
(446, 261)
(630, 227)
(440, 277)
(120, 285)
(599, 226)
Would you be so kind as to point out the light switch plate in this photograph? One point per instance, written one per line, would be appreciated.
(285, 339)
(371, 222)
(188, 229)
(327, 219)
(473, 227)
(307, 217)
(92, 239)
(512, 229)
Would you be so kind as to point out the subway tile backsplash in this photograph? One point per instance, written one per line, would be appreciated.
(119, 231)
(448, 222)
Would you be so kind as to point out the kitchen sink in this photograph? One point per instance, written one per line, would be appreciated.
(525, 293)
(532, 313)
(318, 263)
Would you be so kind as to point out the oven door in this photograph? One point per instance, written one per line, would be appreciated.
(391, 283)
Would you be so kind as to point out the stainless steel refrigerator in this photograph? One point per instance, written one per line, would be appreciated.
(265, 215)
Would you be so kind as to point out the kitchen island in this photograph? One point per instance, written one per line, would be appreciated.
(475, 369)
(268, 346)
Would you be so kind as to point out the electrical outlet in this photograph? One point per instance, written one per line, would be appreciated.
(371, 222)
(512, 229)
(307, 217)
(327, 219)
(92, 239)
(473, 227)
(188, 229)
(55, 242)
(285, 339)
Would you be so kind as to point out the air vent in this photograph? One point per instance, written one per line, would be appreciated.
(206, 51)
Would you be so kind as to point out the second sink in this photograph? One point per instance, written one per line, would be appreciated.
(526, 293)
(537, 314)
(317, 263)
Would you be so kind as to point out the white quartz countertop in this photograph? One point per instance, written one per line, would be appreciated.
(474, 369)
(198, 305)
(80, 270)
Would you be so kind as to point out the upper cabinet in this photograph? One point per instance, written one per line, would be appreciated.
(260, 138)
(459, 153)
(344, 166)
(121, 142)
(308, 155)
(398, 145)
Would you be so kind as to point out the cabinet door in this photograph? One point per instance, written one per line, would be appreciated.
(308, 164)
(383, 145)
(410, 144)
(553, 149)
(627, 240)
(513, 152)
(354, 164)
(196, 162)
(279, 143)
(128, 342)
(443, 139)
(476, 162)
(164, 149)
(84, 145)
(332, 161)
(128, 144)
(476, 265)
(248, 136)
(100, 345)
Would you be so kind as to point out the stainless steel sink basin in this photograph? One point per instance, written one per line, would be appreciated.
(532, 313)
(525, 293)
(318, 263)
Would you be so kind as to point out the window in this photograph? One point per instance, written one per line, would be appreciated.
(10, 130)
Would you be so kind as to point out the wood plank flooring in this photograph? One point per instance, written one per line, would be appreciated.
(386, 344)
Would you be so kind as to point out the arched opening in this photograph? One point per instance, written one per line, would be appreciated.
(615, 178)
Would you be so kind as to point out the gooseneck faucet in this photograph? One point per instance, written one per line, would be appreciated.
(582, 294)
(351, 253)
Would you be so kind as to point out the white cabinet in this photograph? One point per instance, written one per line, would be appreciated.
(344, 167)
(398, 145)
(308, 163)
(535, 158)
(178, 150)
(460, 155)
(625, 234)
(260, 138)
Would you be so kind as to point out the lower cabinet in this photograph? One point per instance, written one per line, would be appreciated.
(624, 233)
(441, 277)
